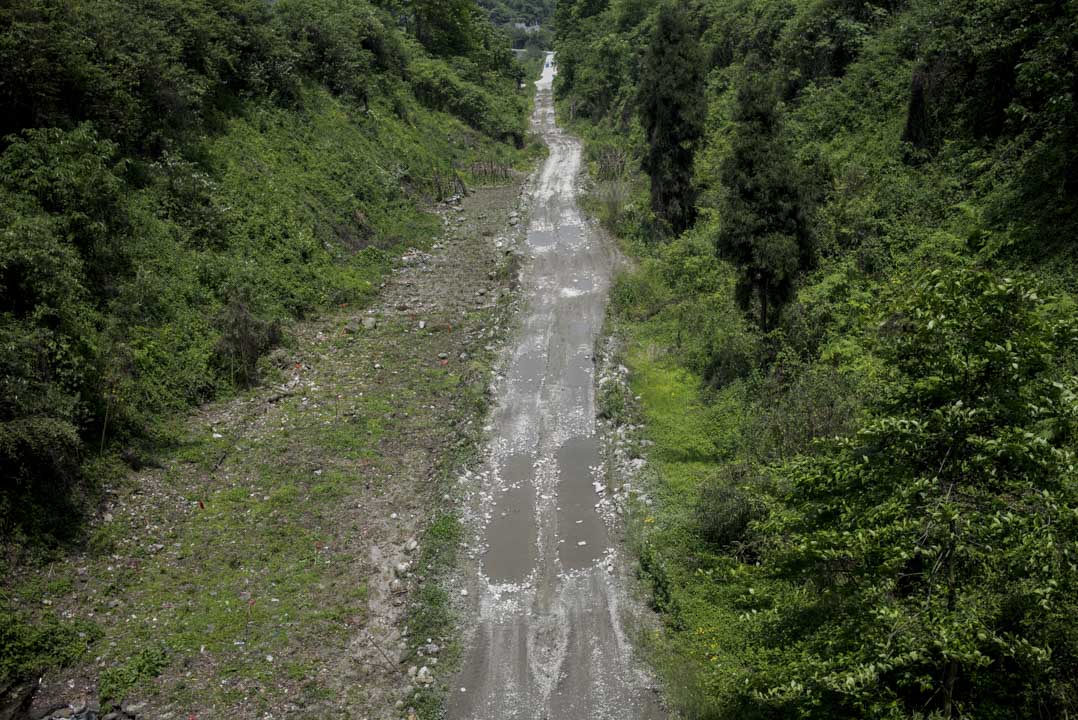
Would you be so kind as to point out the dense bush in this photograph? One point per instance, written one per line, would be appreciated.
(726, 507)
(881, 172)
(439, 87)
(180, 179)
(943, 533)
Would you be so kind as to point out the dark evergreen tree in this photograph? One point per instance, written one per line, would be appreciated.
(672, 111)
(766, 203)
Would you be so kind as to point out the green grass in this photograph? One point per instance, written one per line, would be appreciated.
(710, 605)
(245, 561)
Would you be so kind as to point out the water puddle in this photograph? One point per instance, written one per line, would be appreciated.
(577, 374)
(529, 367)
(584, 284)
(581, 532)
(566, 236)
(512, 535)
(542, 239)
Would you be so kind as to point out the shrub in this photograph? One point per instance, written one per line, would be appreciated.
(244, 339)
(639, 294)
(613, 400)
(726, 506)
(116, 682)
(27, 647)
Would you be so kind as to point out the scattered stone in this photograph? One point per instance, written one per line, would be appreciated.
(370, 323)
(133, 708)
(411, 545)
(464, 593)
(424, 676)
(401, 569)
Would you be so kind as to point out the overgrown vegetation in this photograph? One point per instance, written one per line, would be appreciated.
(527, 12)
(857, 365)
(182, 181)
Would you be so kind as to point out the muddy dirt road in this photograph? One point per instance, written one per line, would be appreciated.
(548, 642)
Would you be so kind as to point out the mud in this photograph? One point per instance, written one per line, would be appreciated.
(549, 640)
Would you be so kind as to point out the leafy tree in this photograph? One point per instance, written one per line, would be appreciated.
(672, 111)
(939, 542)
(532, 12)
(445, 27)
(341, 50)
(766, 202)
(127, 242)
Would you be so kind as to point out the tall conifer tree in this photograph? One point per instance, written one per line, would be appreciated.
(672, 111)
(766, 204)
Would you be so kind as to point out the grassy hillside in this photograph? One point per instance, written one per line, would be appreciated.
(182, 180)
(180, 183)
(865, 499)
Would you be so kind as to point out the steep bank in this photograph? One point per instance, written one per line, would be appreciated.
(181, 182)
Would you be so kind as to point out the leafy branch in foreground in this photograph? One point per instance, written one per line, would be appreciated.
(938, 544)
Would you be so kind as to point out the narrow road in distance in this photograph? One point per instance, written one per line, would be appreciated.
(548, 643)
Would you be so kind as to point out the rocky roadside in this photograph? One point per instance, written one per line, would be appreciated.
(286, 558)
(623, 433)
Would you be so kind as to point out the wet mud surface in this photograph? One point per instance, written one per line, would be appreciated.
(548, 640)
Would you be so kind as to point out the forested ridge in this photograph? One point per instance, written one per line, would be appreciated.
(851, 335)
(180, 180)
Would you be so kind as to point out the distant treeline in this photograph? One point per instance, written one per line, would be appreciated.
(527, 12)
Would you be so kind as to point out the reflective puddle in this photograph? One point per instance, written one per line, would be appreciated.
(578, 521)
(512, 534)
